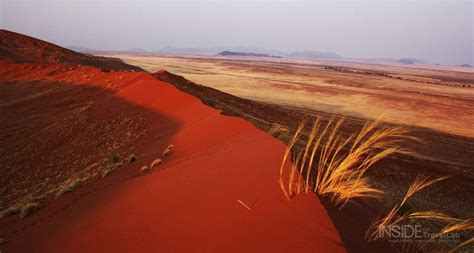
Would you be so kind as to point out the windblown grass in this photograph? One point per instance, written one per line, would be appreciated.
(340, 163)
(24, 208)
(132, 158)
(29, 208)
(69, 185)
(167, 151)
(394, 217)
(277, 130)
(144, 169)
(155, 163)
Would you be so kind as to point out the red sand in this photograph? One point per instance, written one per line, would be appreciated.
(190, 202)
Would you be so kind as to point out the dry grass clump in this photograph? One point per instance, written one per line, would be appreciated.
(115, 158)
(158, 161)
(132, 158)
(68, 186)
(29, 208)
(10, 211)
(106, 172)
(144, 169)
(117, 163)
(24, 208)
(395, 217)
(340, 163)
(155, 163)
(277, 130)
(167, 151)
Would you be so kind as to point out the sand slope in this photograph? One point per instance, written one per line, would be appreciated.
(190, 202)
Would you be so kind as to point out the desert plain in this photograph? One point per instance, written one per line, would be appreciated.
(436, 97)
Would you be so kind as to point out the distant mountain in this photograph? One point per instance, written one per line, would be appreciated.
(137, 50)
(465, 66)
(315, 55)
(184, 50)
(215, 50)
(230, 53)
(406, 61)
(416, 61)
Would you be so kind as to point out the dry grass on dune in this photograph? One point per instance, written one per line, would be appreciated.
(395, 217)
(169, 149)
(23, 208)
(337, 167)
(340, 163)
(144, 169)
(277, 130)
(156, 162)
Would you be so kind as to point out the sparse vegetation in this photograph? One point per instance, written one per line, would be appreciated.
(225, 110)
(29, 208)
(132, 158)
(69, 185)
(395, 217)
(24, 208)
(155, 163)
(144, 169)
(115, 158)
(107, 171)
(277, 130)
(341, 163)
(10, 211)
(167, 151)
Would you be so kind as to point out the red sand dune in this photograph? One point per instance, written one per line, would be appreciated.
(15, 47)
(190, 202)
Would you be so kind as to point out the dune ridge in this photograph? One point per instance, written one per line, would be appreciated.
(191, 202)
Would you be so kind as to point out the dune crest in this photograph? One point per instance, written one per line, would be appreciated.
(193, 201)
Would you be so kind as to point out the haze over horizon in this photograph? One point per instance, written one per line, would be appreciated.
(436, 31)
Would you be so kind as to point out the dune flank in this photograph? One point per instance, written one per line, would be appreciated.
(217, 191)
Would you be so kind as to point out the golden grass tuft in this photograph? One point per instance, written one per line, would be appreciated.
(29, 208)
(144, 169)
(107, 171)
(23, 208)
(276, 130)
(462, 245)
(10, 211)
(167, 151)
(155, 163)
(132, 158)
(393, 217)
(340, 164)
(70, 185)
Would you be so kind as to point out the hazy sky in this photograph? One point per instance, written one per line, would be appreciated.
(438, 31)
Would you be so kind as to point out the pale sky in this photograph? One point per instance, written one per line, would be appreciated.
(437, 31)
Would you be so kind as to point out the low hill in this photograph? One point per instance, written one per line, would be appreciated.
(406, 61)
(315, 55)
(230, 53)
(19, 48)
(216, 50)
